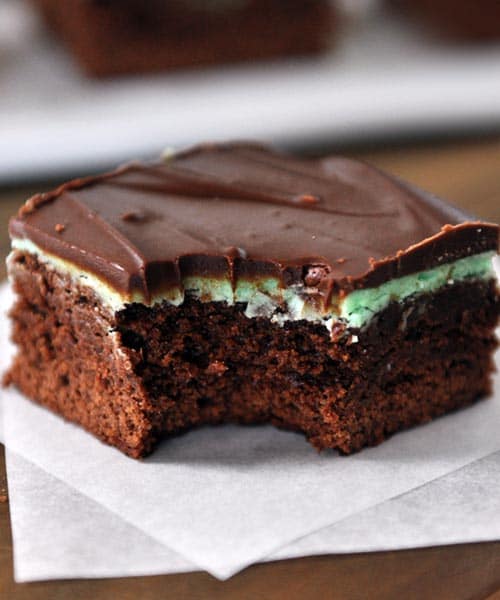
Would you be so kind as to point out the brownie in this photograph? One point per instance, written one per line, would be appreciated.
(230, 283)
(115, 37)
(457, 19)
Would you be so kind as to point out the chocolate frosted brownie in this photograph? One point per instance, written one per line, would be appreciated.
(228, 283)
(113, 37)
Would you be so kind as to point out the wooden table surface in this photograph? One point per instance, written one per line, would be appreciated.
(466, 173)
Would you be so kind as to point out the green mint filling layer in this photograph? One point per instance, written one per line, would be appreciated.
(221, 290)
(266, 297)
(360, 306)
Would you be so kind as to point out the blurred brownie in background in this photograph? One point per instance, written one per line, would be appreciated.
(114, 37)
(460, 19)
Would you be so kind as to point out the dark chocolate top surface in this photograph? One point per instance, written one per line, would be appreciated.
(244, 211)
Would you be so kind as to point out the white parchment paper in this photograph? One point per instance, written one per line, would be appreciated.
(59, 533)
(223, 498)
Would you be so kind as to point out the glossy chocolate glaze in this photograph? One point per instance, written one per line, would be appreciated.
(241, 210)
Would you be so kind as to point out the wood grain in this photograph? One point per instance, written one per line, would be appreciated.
(467, 174)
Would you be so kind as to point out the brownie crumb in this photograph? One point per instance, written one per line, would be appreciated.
(133, 216)
(309, 199)
(338, 331)
(28, 207)
(166, 360)
(3, 489)
(315, 274)
(216, 368)
(235, 252)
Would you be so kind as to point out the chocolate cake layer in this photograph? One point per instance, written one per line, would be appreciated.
(119, 37)
(145, 372)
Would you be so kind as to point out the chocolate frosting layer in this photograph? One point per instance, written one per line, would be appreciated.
(242, 210)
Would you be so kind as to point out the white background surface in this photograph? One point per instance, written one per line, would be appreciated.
(381, 77)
